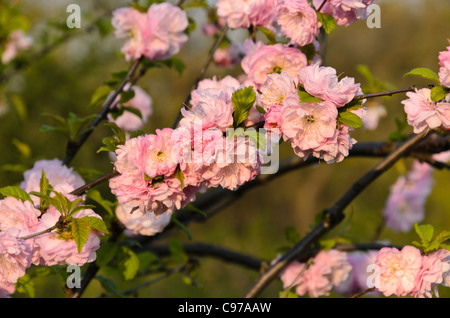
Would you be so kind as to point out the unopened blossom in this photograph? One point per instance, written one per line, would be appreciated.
(424, 113)
(398, 270)
(156, 34)
(323, 82)
(344, 11)
(129, 121)
(298, 21)
(261, 60)
(327, 270)
(17, 42)
(15, 258)
(444, 70)
(142, 223)
(243, 14)
(60, 248)
(228, 56)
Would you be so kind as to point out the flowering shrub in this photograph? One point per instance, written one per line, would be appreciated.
(229, 130)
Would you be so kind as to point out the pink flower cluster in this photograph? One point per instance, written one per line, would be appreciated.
(162, 172)
(310, 127)
(424, 113)
(327, 270)
(20, 219)
(406, 202)
(156, 34)
(408, 272)
(243, 14)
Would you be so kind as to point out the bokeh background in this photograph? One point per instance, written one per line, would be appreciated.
(411, 35)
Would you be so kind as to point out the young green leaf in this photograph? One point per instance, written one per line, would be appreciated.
(95, 223)
(80, 232)
(128, 263)
(191, 207)
(95, 195)
(180, 176)
(242, 100)
(305, 97)
(99, 95)
(25, 285)
(269, 34)
(106, 253)
(328, 22)
(15, 192)
(438, 93)
(109, 286)
(292, 235)
(423, 72)
(350, 119)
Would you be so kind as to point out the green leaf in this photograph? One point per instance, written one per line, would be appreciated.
(180, 176)
(423, 72)
(16, 192)
(350, 119)
(425, 233)
(258, 139)
(328, 22)
(109, 286)
(260, 109)
(305, 97)
(80, 232)
(133, 110)
(106, 253)
(287, 294)
(269, 34)
(242, 100)
(95, 223)
(128, 263)
(195, 4)
(126, 96)
(176, 250)
(25, 285)
(182, 226)
(438, 93)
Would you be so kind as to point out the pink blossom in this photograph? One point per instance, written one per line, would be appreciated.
(15, 258)
(6, 291)
(215, 86)
(233, 162)
(275, 90)
(398, 270)
(213, 109)
(130, 24)
(57, 248)
(142, 102)
(17, 41)
(156, 34)
(167, 23)
(374, 113)
(308, 125)
(210, 29)
(444, 70)
(327, 270)
(337, 147)
(406, 201)
(422, 112)
(147, 165)
(261, 60)
(242, 14)
(55, 171)
(357, 279)
(17, 214)
(140, 223)
(298, 21)
(322, 82)
(229, 56)
(272, 119)
(429, 276)
(345, 11)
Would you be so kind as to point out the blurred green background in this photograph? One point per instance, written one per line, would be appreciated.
(411, 35)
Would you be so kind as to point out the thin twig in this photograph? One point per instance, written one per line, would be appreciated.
(39, 233)
(360, 294)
